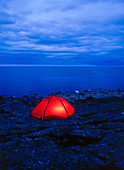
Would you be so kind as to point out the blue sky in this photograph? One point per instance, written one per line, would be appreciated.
(62, 32)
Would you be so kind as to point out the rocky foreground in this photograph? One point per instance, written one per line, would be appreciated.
(92, 139)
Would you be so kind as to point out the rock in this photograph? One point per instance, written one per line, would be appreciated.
(91, 139)
(59, 92)
(25, 96)
(118, 90)
(81, 93)
(89, 98)
(77, 92)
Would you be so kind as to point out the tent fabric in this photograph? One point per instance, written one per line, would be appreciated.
(53, 108)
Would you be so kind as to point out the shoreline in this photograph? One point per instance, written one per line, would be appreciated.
(82, 94)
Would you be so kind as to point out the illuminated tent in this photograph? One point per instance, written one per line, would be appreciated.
(53, 108)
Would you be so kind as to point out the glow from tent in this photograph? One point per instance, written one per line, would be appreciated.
(59, 109)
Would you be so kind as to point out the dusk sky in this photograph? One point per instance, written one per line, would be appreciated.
(62, 32)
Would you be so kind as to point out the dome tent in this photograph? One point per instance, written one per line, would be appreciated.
(53, 108)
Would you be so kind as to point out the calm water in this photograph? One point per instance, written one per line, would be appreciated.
(18, 81)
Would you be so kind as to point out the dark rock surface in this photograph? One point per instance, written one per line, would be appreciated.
(92, 139)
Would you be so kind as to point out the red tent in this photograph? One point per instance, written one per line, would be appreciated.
(53, 108)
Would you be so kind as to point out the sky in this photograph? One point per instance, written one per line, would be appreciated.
(67, 32)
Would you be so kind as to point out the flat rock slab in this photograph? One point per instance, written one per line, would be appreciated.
(92, 139)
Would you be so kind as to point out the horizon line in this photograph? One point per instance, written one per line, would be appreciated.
(55, 65)
(39, 65)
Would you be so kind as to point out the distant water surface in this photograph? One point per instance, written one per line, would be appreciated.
(18, 81)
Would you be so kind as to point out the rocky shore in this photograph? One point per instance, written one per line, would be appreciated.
(92, 139)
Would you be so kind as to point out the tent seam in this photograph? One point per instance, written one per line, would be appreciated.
(63, 106)
(45, 109)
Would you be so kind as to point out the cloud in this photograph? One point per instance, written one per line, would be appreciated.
(60, 15)
(56, 13)
(65, 26)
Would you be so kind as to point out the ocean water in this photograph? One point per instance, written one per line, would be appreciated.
(19, 81)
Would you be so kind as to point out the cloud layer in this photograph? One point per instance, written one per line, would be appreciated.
(67, 30)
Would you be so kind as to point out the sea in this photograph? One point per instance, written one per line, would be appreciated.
(24, 80)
